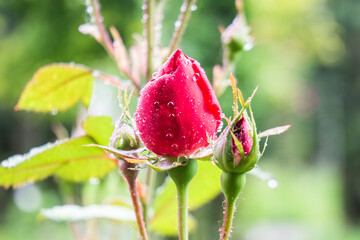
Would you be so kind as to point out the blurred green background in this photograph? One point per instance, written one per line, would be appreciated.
(306, 60)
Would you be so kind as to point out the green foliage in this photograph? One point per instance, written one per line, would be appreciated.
(203, 188)
(57, 87)
(67, 159)
(71, 213)
(99, 128)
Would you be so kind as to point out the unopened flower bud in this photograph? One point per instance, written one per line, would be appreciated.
(237, 148)
(178, 110)
(125, 137)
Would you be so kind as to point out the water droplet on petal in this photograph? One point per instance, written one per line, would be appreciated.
(169, 135)
(174, 147)
(196, 77)
(170, 105)
(157, 104)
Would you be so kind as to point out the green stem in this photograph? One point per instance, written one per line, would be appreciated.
(182, 177)
(232, 185)
(182, 195)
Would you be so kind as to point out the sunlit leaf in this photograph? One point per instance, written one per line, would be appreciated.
(99, 128)
(67, 159)
(203, 188)
(274, 131)
(57, 87)
(72, 213)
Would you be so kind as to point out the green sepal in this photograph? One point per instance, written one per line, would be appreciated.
(232, 184)
(223, 153)
(182, 175)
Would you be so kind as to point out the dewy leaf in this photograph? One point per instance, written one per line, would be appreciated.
(274, 131)
(57, 87)
(99, 128)
(67, 159)
(203, 188)
(71, 213)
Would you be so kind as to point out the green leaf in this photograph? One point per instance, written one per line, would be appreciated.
(203, 188)
(72, 213)
(67, 159)
(57, 87)
(99, 128)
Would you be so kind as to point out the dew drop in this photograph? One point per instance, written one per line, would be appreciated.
(96, 74)
(158, 27)
(272, 183)
(183, 8)
(169, 135)
(94, 181)
(154, 74)
(193, 7)
(145, 18)
(89, 9)
(177, 24)
(196, 77)
(54, 111)
(172, 115)
(248, 46)
(170, 105)
(174, 147)
(157, 104)
(220, 127)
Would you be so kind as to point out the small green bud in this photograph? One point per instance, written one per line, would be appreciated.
(125, 137)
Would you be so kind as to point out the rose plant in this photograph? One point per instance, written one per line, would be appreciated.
(175, 124)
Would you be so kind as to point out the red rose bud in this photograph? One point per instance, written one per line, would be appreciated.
(178, 109)
(243, 133)
(237, 149)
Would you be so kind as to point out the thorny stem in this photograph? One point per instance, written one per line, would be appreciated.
(106, 41)
(229, 215)
(148, 18)
(105, 38)
(129, 175)
(137, 209)
(181, 23)
(107, 79)
(231, 185)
